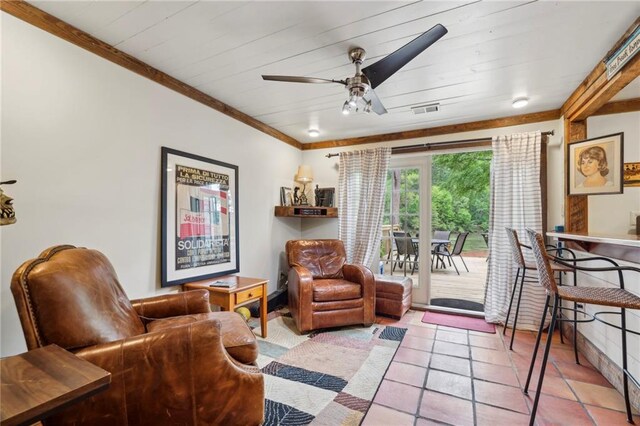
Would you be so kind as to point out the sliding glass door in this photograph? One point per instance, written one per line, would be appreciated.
(404, 221)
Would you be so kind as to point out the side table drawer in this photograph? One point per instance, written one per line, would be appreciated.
(253, 293)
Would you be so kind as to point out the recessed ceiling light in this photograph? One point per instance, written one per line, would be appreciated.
(520, 102)
(314, 133)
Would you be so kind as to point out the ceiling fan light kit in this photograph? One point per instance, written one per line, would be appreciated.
(361, 86)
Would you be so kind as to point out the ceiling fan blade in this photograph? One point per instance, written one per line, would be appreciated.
(376, 105)
(387, 66)
(295, 79)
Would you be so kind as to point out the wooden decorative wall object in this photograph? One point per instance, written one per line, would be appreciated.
(576, 207)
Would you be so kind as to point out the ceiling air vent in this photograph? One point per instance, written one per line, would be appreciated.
(422, 109)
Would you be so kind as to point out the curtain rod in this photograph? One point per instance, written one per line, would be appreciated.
(427, 146)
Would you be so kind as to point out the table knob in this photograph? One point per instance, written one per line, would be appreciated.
(250, 294)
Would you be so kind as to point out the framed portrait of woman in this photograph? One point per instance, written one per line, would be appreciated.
(595, 166)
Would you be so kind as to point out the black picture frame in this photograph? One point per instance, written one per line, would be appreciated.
(325, 197)
(199, 218)
(600, 158)
(286, 196)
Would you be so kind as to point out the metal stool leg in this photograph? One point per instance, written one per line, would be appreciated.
(625, 372)
(561, 314)
(575, 322)
(543, 367)
(515, 318)
(513, 293)
(537, 345)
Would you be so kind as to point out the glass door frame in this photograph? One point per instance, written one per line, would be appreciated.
(422, 162)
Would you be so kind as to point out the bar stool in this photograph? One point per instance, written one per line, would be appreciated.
(524, 266)
(611, 297)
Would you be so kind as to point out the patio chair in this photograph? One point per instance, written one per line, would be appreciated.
(439, 235)
(457, 251)
(405, 249)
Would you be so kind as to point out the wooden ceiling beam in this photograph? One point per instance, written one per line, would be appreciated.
(515, 120)
(628, 73)
(49, 23)
(597, 81)
(619, 107)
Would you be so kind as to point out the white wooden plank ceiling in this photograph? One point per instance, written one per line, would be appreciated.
(493, 53)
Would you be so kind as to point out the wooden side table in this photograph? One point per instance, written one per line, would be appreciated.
(245, 291)
(40, 382)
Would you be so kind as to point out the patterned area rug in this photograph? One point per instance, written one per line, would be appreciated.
(323, 378)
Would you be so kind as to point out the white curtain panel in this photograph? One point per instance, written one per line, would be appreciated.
(515, 203)
(360, 202)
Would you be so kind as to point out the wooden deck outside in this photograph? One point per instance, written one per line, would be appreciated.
(445, 283)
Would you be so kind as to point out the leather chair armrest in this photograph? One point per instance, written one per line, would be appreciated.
(300, 297)
(358, 274)
(362, 275)
(173, 305)
(180, 374)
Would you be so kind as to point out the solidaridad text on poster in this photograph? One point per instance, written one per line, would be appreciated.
(202, 218)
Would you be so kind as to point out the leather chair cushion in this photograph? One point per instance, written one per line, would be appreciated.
(79, 301)
(323, 258)
(337, 305)
(237, 337)
(335, 289)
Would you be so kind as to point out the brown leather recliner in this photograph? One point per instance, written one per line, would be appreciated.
(324, 291)
(172, 360)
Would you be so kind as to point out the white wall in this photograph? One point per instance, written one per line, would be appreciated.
(326, 170)
(82, 136)
(610, 214)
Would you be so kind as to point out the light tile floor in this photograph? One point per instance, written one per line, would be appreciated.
(443, 375)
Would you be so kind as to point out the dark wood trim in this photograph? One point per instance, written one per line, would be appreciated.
(515, 120)
(619, 107)
(49, 23)
(576, 207)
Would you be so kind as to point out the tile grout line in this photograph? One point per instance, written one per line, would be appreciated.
(426, 377)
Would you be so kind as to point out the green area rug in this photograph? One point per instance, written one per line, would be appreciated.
(323, 378)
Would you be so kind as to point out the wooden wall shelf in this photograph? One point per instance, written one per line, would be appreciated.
(306, 211)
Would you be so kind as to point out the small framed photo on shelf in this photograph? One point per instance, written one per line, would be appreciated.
(286, 197)
(631, 174)
(324, 196)
(595, 166)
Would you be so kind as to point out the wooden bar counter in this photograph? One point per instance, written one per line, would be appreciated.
(623, 247)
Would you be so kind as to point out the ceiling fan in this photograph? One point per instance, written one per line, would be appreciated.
(361, 85)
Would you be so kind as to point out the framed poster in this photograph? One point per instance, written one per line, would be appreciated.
(595, 166)
(199, 218)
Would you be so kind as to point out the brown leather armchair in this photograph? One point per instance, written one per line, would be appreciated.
(172, 360)
(324, 291)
